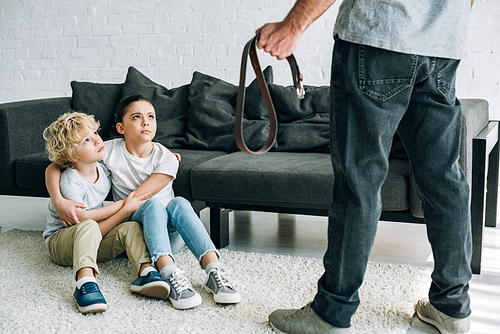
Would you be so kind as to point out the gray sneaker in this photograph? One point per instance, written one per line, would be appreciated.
(302, 321)
(445, 324)
(219, 283)
(182, 295)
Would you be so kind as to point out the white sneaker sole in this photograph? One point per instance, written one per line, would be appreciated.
(434, 323)
(94, 308)
(225, 298)
(184, 304)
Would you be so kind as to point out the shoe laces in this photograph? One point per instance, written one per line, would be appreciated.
(89, 287)
(179, 281)
(304, 309)
(222, 278)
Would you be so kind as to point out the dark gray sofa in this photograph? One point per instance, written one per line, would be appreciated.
(197, 119)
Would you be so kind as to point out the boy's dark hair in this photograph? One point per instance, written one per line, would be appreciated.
(122, 107)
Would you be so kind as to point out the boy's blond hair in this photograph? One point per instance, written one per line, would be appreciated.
(62, 136)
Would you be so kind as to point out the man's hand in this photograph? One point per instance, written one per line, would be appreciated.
(281, 38)
(278, 39)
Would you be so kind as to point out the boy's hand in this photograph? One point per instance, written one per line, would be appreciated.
(178, 156)
(133, 202)
(66, 210)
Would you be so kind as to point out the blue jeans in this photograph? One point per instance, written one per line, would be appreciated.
(166, 230)
(375, 94)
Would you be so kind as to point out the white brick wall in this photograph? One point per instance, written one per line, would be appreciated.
(44, 44)
(479, 74)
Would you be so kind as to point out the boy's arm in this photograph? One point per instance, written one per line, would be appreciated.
(160, 178)
(101, 213)
(106, 211)
(154, 184)
(66, 209)
(130, 204)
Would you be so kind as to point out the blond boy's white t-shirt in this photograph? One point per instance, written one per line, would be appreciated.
(75, 188)
(128, 171)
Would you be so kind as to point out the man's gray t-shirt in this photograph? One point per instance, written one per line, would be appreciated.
(434, 28)
(75, 188)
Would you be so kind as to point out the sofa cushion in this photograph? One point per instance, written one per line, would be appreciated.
(212, 104)
(304, 125)
(30, 171)
(189, 159)
(285, 179)
(171, 107)
(396, 188)
(22, 124)
(97, 99)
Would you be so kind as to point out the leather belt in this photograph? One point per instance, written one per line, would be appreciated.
(250, 50)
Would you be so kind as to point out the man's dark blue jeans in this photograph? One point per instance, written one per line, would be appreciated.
(375, 94)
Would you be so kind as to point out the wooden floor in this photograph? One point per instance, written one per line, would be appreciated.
(306, 236)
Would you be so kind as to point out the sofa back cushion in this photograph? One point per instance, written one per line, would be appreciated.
(304, 125)
(97, 99)
(201, 115)
(212, 104)
(171, 107)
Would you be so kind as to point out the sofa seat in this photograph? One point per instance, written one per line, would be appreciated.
(285, 180)
(189, 159)
(30, 171)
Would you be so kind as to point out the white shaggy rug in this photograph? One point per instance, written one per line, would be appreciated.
(36, 295)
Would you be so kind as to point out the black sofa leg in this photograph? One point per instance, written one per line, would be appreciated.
(477, 203)
(492, 187)
(484, 174)
(219, 226)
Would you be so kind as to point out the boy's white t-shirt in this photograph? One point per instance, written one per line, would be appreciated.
(75, 188)
(128, 171)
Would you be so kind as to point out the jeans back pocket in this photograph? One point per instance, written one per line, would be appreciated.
(384, 74)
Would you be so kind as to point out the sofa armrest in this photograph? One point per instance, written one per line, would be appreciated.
(475, 117)
(21, 127)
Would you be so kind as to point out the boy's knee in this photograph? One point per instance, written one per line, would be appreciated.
(131, 227)
(88, 225)
(88, 234)
(153, 203)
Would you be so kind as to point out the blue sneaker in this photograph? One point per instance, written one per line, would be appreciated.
(90, 299)
(151, 285)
